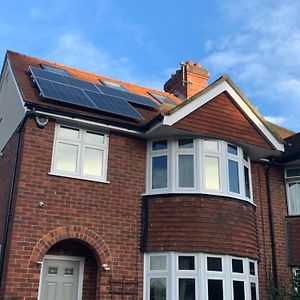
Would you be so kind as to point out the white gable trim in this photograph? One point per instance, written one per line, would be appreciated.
(210, 94)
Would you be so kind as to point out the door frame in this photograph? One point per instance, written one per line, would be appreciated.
(64, 257)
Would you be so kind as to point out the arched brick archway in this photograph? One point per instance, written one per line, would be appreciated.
(80, 233)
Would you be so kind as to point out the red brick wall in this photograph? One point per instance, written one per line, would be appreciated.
(221, 118)
(110, 210)
(293, 232)
(279, 206)
(202, 224)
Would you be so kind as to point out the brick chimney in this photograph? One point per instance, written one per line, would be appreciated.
(188, 81)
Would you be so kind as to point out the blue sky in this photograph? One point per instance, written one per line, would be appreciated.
(256, 42)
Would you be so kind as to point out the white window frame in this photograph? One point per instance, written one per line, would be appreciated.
(295, 179)
(199, 153)
(81, 145)
(201, 275)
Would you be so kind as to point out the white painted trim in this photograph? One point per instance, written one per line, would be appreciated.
(16, 84)
(88, 123)
(210, 94)
(70, 258)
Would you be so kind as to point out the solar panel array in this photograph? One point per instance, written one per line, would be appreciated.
(89, 95)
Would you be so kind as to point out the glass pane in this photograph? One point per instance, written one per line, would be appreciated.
(252, 268)
(186, 170)
(68, 133)
(95, 138)
(69, 271)
(232, 149)
(293, 172)
(247, 182)
(237, 266)
(158, 289)
(245, 156)
(233, 169)
(238, 290)
(66, 157)
(215, 289)
(93, 162)
(158, 263)
(186, 289)
(214, 264)
(294, 190)
(52, 271)
(160, 145)
(253, 291)
(211, 173)
(159, 172)
(186, 262)
(211, 145)
(185, 143)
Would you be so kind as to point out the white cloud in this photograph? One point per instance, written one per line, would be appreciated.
(275, 120)
(262, 55)
(73, 49)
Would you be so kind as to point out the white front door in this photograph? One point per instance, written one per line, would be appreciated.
(61, 278)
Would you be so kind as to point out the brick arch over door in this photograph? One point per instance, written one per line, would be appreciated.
(79, 233)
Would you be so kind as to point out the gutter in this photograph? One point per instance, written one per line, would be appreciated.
(20, 131)
(272, 229)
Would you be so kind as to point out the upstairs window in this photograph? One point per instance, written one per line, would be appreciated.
(193, 165)
(113, 85)
(293, 190)
(80, 153)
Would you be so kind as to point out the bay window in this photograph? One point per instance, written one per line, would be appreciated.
(197, 276)
(194, 165)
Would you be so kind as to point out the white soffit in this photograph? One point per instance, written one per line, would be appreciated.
(210, 94)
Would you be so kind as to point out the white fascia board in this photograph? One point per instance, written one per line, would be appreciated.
(210, 94)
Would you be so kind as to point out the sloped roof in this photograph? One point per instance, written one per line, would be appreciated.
(20, 66)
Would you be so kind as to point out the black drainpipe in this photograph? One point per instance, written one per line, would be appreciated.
(272, 231)
(20, 131)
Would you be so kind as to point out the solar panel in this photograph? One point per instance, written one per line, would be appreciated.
(63, 93)
(63, 79)
(130, 97)
(113, 105)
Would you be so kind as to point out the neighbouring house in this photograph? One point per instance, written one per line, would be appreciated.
(111, 190)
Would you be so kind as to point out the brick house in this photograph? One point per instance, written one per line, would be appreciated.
(111, 190)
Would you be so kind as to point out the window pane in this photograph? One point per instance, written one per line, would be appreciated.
(158, 289)
(294, 190)
(159, 172)
(186, 289)
(214, 264)
(215, 289)
(232, 149)
(293, 172)
(252, 268)
(95, 138)
(233, 169)
(211, 173)
(185, 143)
(93, 162)
(253, 291)
(160, 145)
(186, 170)
(68, 133)
(237, 266)
(238, 290)
(66, 157)
(186, 262)
(245, 156)
(158, 263)
(211, 145)
(247, 182)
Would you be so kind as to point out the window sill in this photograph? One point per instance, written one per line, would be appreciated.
(78, 177)
(185, 192)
